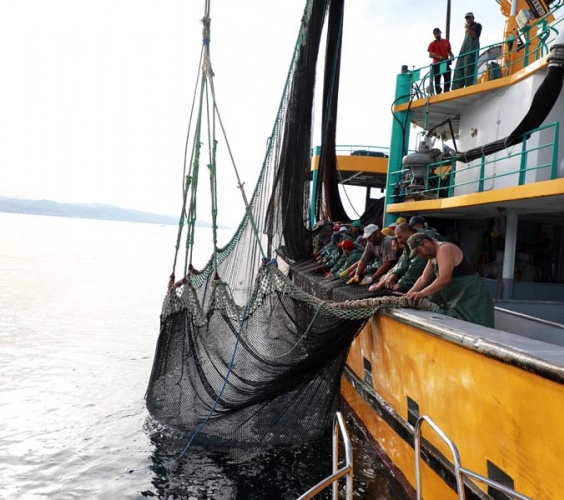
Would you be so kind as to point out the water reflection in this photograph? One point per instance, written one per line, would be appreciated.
(228, 475)
(282, 473)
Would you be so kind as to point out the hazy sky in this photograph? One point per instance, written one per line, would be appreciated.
(95, 95)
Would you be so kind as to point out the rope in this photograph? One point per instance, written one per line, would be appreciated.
(302, 336)
(219, 394)
(240, 185)
(272, 280)
(186, 179)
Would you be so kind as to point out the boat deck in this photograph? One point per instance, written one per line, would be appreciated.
(533, 348)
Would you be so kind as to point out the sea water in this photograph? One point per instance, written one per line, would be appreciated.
(79, 320)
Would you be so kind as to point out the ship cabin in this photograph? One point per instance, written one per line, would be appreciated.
(477, 178)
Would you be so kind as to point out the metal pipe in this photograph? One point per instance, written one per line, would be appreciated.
(450, 444)
(347, 470)
(494, 484)
(508, 270)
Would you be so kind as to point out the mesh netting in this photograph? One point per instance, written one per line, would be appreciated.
(254, 352)
(284, 353)
(288, 356)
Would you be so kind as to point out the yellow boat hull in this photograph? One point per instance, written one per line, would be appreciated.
(494, 411)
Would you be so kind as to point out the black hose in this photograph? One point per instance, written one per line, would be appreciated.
(543, 101)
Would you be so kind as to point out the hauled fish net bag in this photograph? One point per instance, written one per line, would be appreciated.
(245, 357)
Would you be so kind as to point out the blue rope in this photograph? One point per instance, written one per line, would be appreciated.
(265, 262)
(220, 393)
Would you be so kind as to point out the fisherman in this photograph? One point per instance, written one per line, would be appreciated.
(418, 223)
(322, 231)
(449, 280)
(441, 54)
(356, 230)
(407, 270)
(372, 251)
(330, 247)
(335, 250)
(352, 252)
(390, 255)
(465, 69)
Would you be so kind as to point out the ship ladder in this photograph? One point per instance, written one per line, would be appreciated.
(339, 429)
(459, 471)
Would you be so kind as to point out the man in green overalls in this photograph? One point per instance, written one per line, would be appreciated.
(465, 69)
(449, 280)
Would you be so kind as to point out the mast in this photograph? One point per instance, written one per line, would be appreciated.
(447, 22)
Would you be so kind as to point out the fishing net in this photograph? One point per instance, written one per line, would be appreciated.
(251, 354)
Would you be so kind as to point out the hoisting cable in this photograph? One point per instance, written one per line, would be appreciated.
(207, 75)
(191, 180)
(240, 185)
(186, 178)
(212, 143)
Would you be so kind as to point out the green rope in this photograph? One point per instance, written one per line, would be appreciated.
(225, 251)
(191, 183)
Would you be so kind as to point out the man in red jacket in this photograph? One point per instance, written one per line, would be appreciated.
(439, 51)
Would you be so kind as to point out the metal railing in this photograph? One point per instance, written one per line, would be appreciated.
(355, 150)
(346, 470)
(459, 471)
(493, 61)
(441, 179)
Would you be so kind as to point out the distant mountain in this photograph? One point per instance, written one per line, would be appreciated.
(84, 211)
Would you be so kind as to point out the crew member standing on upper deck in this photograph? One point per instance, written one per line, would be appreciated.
(465, 69)
(439, 51)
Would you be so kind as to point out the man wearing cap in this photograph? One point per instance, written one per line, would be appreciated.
(449, 278)
(465, 70)
(330, 252)
(373, 236)
(418, 223)
(441, 53)
(352, 252)
(356, 230)
(335, 251)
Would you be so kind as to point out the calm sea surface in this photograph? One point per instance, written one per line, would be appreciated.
(79, 319)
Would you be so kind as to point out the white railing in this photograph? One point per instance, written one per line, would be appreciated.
(339, 428)
(459, 471)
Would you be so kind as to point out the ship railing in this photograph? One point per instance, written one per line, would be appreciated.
(492, 62)
(356, 150)
(459, 471)
(339, 429)
(536, 159)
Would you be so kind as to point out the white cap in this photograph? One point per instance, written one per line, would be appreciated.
(368, 230)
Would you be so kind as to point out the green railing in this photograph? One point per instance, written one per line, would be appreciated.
(355, 150)
(495, 61)
(520, 164)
